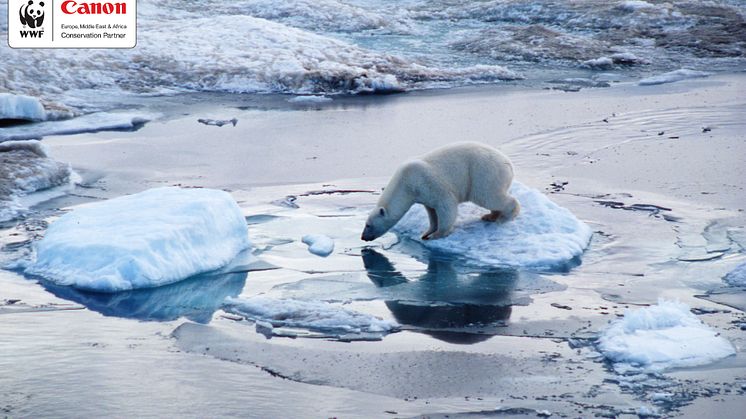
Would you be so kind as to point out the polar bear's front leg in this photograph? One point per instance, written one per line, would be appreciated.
(433, 216)
(446, 214)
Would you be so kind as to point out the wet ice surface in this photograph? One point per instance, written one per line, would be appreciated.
(501, 341)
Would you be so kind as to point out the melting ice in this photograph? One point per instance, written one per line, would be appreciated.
(661, 337)
(543, 236)
(144, 240)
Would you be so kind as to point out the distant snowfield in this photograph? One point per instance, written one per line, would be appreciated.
(144, 240)
(662, 337)
(543, 236)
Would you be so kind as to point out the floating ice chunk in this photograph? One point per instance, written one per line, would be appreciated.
(634, 5)
(94, 122)
(603, 63)
(309, 99)
(647, 412)
(25, 167)
(309, 315)
(144, 240)
(319, 244)
(673, 76)
(543, 236)
(21, 107)
(737, 277)
(662, 337)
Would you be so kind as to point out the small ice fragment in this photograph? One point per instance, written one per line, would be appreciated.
(319, 244)
(647, 412)
(661, 397)
(144, 240)
(673, 76)
(737, 277)
(218, 122)
(21, 107)
(634, 5)
(661, 337)
(603, 63)
(311, 99)
(309, 315)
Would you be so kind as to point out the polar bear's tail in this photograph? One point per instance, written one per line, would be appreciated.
(511, 210)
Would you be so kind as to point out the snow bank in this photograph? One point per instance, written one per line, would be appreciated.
(673, 76)
(328, 15)
(21, 107)
(100, 121)
(310, 315)
(149, 239)
(662, 337)
(248, 55)
(319, 244)
(25, 167)
(737, 277)
(543, 236)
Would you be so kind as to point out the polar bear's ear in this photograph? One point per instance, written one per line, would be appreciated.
(382, 211)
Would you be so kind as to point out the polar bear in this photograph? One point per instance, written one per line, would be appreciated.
(442, 179)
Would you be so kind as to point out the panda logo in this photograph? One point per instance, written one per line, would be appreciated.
(32, 15)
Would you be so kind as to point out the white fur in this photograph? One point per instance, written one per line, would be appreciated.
(442, 179)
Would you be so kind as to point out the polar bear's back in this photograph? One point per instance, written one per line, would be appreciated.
(471, 169)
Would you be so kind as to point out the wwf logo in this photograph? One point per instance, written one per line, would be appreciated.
(32, 15)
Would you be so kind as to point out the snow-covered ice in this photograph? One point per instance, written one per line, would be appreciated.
(319, 244)
(673, 76)
(21, 107)
(309, 315)
(661, 337)
(737, 277)
(543, 236)
(144, 240)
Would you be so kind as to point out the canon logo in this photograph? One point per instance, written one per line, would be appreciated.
(71, 7)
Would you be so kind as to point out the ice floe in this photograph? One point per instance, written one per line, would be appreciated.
(308, 315)
(144, 240)
(319, 244)
(737, 277)
(673, 76)
(100, 121)
(543, 236)
(21, 107)
(25, 168)
(661, 337)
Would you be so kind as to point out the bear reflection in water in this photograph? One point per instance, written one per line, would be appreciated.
(448, 302)
(196, 298)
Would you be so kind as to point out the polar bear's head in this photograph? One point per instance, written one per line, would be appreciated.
(379, 222)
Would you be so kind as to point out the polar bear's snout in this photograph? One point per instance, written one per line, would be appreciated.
(368, 234)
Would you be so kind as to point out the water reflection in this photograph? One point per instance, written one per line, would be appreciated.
(445, 298)
(196, 298)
